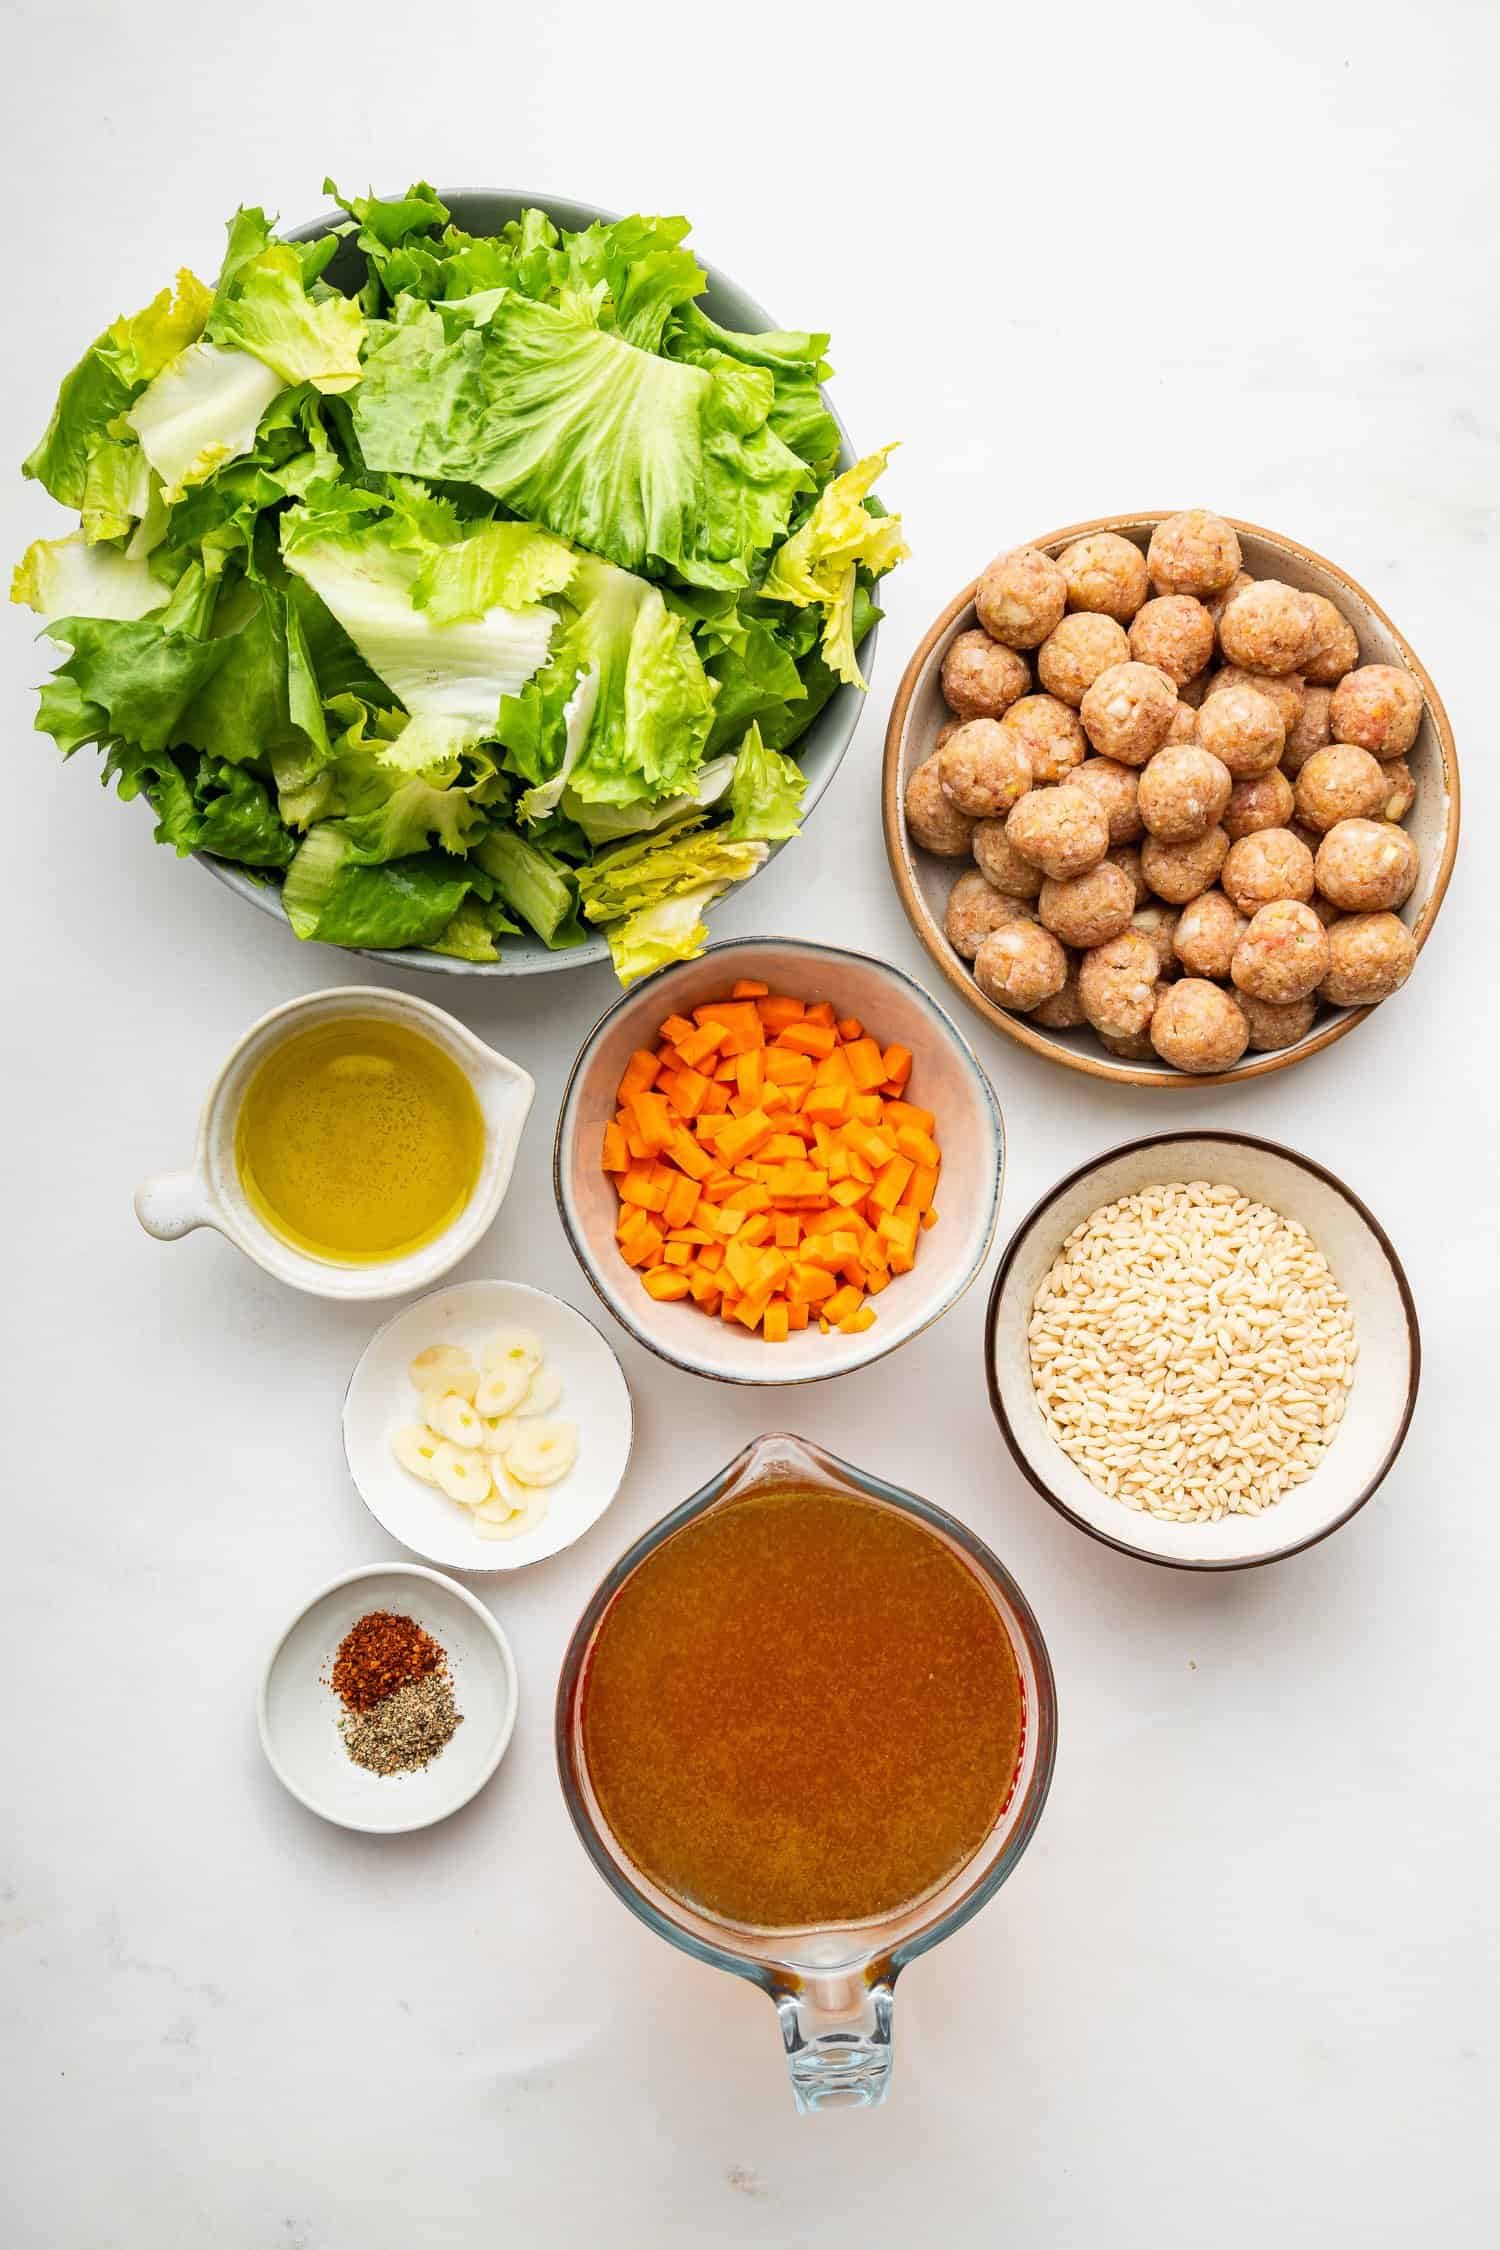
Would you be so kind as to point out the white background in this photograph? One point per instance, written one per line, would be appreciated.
(1242, 1989)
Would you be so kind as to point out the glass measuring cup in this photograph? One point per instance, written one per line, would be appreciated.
(832, 1988)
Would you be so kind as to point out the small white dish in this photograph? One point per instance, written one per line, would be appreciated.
(946, 1078)
(210, 1194)
(380, 1401)
(1364, 1264)
(299, 1712)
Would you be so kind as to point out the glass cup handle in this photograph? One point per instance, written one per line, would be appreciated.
(838, 2045)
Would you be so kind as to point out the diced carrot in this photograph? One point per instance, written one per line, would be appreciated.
(898, 1066)
(849, 1029)
(749, 988)
(920, 1188)
(858, 1322)
(643, 1187)
(616, 1157)
(677, 1254)
(821, 1011)
(644, 1247)
(751, 1197)
(676, 1029)
(682, 1201)
(872, 1146)
(777, 1010)
(867, 1109)
(696, 1048)
(783, 1068)
(742, 1026)
(809, 1285)
(716, 1101)
(827, 1105)
(703, 1286)
(841, 1304)
(867, 1063)
(654, 1120)
(640, 1072)
(687, 1091)
(904, 1113)
(689, 1156)
(787, 1230)
(848, 1194)
(744, 1135)
(749, 1075)
(919, 1146)
(929, 1219)
(665, 1283)
(777, 1322)
(808, 1038)
(711, 1259)
(890, 1183)
(796, 1313)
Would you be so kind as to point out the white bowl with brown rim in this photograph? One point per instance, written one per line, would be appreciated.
(924, 881)
(1363, 1262)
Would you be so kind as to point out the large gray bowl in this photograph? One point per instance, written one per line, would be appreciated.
(820, 749)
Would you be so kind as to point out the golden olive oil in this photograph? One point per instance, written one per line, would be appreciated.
(359, 1140)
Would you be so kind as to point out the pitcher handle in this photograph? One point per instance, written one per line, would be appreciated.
(838, 2045)
(171, 1204)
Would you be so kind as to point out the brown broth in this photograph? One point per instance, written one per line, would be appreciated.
(801, 1710)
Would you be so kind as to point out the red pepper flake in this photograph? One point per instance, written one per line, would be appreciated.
(380, 1653)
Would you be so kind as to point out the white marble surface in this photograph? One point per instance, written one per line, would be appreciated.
(1242, 1988)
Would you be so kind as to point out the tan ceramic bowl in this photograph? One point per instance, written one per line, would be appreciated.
(924, 880)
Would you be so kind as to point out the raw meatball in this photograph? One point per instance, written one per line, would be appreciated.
(1287, 690)
(975, 910)
(1379, 707)
(1105, 573)
(1019, 966)
(1128, 860)
(1113, 788)
(1270, 865)
(1364, 865)
(1184, 727)
(1312, 731)
(1269, 627)
(981, 678)
(1127, 713)
(1193, 553)
(1077, 651)
(1087, 909)
(1002, 864)
(1064, 1011)
(1243, 729)
(1182, 793)
(1275, 1023)
(1335, 649)
(984, 769)
(1283, 956)
(1178, 872)
(1021, 597)
(1138, 1048)
(1339, 783)
(1265, 802)
(1198, 1027)
(1117, 984)
(1216, 604)
(1062, 830)
(1400, 789)
(1208, 930)
(932, 820)
(1176, 634)
(1370, 957)
(1053, 739)
(1159, 924)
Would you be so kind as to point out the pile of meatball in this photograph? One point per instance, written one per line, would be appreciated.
(1186, 819)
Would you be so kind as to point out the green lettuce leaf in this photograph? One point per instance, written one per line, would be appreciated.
(116, 367)
(672, 930)
(202, 804)
(450, 675)
(329, 894)
(818, 565)
(606, 824)
(797, 369)
(765, 796)
(70, 578)
(647, 461)
(682, 868)
(534, 885)
(201, 411)
(266, 309)
(138, 676)
(471, 934)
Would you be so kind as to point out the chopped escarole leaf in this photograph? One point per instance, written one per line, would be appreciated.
(265, 308)
(651, 892)
(449, 674)
(71, 578)
(116, 367)
(201, 411)
(818, 564)
(647, 461)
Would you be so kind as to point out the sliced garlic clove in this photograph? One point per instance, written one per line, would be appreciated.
(512, 1347)
(415, 1448)
(463, 1476)
(430, 1370)
(499, 1508)
(501, 1390)
(455, 1419)
(498, 1435)
(545, 1393)
(542, 1452)
(522, 1519)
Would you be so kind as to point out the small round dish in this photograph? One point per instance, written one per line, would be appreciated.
(923, 881)
(299, 1712)
(946, 1078)
(1366, 1267)
(380, 1400)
